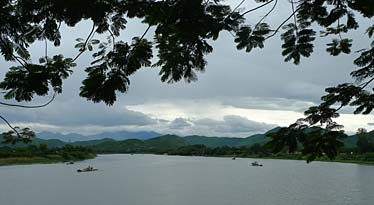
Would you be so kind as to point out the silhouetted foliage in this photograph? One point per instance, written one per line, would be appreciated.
(182, 32)
(24, 135)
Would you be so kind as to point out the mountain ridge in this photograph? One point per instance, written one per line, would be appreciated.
(119, 135)
(166, 141)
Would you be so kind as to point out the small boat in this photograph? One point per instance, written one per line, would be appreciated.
(69, 163)
(256, 164)
(88, 169)
(233, 158)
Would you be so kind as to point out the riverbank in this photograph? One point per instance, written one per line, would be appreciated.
(43, 155)
(299, 158)
(40, 160)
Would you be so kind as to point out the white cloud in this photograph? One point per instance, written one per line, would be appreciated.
(179, 123)
(232, 125)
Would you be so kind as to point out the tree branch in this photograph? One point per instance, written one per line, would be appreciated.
(113, 38)
(20, 60)
(145, 32)
(267, 14)
(294, 16)
(31, 106)
(85, 43)
(11, 127)
(228, 16)
(246, 12)
(340, 36)
(284, 22)
(46, 49)
(363, 85)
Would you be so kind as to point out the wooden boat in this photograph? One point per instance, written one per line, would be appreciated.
(256, 164)
(88, 169)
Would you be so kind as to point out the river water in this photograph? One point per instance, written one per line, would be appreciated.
(176, 180)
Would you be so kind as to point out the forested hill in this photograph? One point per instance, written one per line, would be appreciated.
(226, 141)
(167, 142)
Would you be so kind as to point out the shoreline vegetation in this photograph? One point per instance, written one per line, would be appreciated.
(51, 159)
(43, 155)
(358, 149)
(371, 163)
(37, 160)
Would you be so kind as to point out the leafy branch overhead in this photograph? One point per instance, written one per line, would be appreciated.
(110, 70)
(177, 39)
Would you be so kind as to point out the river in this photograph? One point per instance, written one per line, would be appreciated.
(177, 180)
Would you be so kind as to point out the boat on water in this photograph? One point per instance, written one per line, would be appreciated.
(256, 164)
(87, 169)
(69, 163)
(233, 158)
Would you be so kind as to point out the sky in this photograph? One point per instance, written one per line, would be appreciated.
(238, 95)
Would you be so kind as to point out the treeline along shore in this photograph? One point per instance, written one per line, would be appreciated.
(33, 154)
(357, 149)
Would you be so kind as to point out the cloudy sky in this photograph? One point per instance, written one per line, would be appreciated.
(239, 94)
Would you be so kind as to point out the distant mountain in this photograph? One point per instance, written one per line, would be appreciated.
(166, 142)
(351, 141)
(120, 135)
(50, 142)
(132, 142)
(124, 146)
(229, 141)
(91, 142)
(154, 145)
(213, 141)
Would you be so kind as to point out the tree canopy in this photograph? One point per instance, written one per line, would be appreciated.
(182, 32)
